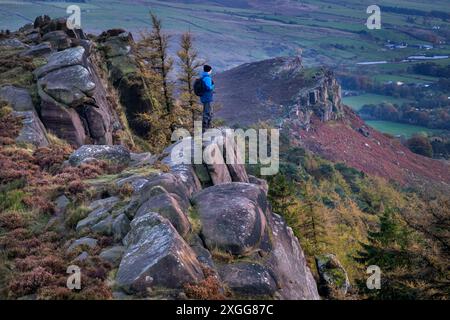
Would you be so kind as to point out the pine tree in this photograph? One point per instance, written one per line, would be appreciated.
(313, 227)
(281, 195)
(155, 66)
(390, 249)
(386, 247)
(154, 48)
(189, 63)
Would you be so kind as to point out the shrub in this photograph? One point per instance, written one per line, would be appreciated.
(12, 200)
(208, 289)
(46, 158)
(29, 282)
(10, 126)
(75, 214)
(420, 145)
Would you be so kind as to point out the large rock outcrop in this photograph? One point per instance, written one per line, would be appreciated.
(74, 103)
(62, 69)
(171, 229)
(236, 218)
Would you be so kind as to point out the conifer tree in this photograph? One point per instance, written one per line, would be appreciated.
(312, 227)
(189, 63)
(154, 48)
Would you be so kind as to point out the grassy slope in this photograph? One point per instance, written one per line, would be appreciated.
(357, 102)
(396, 128)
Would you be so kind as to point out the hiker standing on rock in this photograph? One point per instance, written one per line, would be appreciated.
(204, 88)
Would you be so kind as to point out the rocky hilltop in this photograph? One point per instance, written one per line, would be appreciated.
(307, 103)
(164, 230)
(277, 89)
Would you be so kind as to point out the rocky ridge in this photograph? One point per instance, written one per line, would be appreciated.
(69, 93)
(173, 228)
(278, 89)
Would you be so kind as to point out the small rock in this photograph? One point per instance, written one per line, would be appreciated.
(61, 204)
(82, 257)
(33, 37)
(170, 183)
(364, 131)
(167, 206)
(18, 98)
(113, 255)
(86, 241)
(104, 227)
(142, 159)
(334, 282)
(100, 211)
(14, 43)
(59, 39)
(38, 50)
(137, 182)
(33, 131)
(41, 21)
(248, 279)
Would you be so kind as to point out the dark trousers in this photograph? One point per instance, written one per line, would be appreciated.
(207, 115)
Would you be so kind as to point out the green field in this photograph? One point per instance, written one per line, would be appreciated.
(357, 102)
(398, 129)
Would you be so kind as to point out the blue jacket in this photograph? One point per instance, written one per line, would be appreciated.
(208, 96)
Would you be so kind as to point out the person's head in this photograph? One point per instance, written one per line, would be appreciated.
(207, 68)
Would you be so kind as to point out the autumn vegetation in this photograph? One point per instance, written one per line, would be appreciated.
(365, 221)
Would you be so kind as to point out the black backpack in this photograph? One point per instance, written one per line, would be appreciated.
(199, 87)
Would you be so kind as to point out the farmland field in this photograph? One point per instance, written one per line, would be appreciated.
(357, 102)
(230, 33)
(397, 129)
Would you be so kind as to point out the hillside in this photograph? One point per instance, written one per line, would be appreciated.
(308, 103)
(230, 33)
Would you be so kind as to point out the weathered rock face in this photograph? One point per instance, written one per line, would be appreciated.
(248, 278)
(76, 101)
(227, 214)
(323, 101)
(287, 261)
(117, 45)
(334, 282)
(33, 131)
(222, 161)
(156, 256)
(231, 221)
(167, 206)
